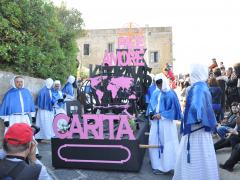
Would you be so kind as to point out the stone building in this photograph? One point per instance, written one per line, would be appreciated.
(157, 42)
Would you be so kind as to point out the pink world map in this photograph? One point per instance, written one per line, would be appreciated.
(114, 85)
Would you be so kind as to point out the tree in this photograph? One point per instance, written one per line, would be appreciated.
(38, 39)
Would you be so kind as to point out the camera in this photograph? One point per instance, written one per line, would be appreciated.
(35, 129)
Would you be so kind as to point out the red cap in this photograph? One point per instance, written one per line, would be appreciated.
(19, 133)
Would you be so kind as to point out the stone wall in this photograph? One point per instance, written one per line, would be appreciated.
(33, 84)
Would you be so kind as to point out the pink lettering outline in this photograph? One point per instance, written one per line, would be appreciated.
(94, 146)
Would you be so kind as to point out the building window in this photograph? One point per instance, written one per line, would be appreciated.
(86, 49)
(154, 57)
(110, 47)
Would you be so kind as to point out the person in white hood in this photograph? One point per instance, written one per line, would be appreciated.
(45, 112)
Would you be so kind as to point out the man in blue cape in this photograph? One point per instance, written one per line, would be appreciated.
(163, 109)
(196, 157)
(17, 104)
(45, 113)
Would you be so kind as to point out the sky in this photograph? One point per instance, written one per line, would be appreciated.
(202, 29)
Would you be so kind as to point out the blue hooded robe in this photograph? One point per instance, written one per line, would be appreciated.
(169, 105)
(68, 89)
(11, 102)
(198, 109)
(169, 109)
(55, 97)
(150, 91)
(44, 100)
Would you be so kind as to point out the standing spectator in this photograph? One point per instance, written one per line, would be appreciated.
(45, 112)
(223, 71)
(187, 77)
(221, 80)
(216, 93)
(237, 72)
(184, 87)
(169, 74)
(229, 72)
(232, 90)
(196, 157)
(213, 65)
(222, 65)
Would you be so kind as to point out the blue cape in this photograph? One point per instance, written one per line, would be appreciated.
(198, 109)
(68, 89)
(150, 91)
(169, 105)
(55, 97)
(11, 102)
(152, 105)
(44, 100)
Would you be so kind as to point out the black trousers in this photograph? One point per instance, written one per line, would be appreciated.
(230, 142)
(234, 157)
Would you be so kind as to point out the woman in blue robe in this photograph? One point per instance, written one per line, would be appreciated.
(196, 157)
(68, 89)
(58, 98)
(164, 108)
(45, 113)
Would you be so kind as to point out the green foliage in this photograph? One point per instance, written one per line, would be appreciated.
(133, 124)
(83, 74)
(39, 39)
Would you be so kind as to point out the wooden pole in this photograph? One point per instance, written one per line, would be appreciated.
(148, 146)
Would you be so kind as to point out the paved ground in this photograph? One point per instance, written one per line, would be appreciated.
(144, 174)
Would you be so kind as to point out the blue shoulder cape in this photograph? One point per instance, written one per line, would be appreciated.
(68, 89)
(44, 100)
(169, 105)
(150, 91)
(198, 109)
(55, 97)
(11, 102)
(153, 101)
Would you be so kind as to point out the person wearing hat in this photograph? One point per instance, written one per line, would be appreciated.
(45, 113)
(18, 160)
(164, 108)
(58, 98)
(196, 157)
